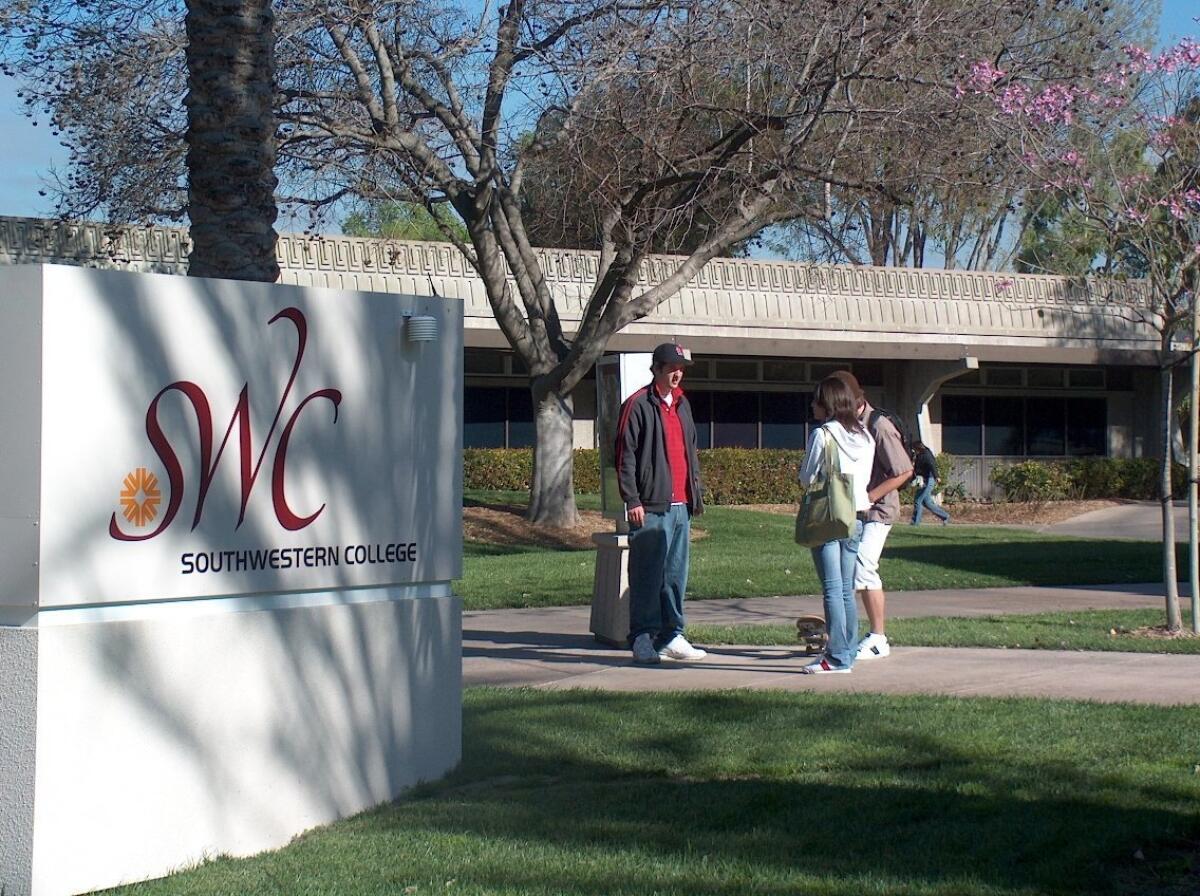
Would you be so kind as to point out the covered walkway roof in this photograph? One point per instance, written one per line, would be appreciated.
(733, 306)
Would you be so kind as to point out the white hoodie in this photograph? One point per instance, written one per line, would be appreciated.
(856, 455)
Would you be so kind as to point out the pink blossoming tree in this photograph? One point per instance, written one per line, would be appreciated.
(1075, 137)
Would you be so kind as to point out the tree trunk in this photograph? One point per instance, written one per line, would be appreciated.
(1193, 464)
(552, 491)
(231, 139)
(1170, 583)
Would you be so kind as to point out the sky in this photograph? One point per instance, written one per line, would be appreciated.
(28, 154)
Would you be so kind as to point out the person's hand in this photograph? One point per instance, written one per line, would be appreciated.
(637, 515)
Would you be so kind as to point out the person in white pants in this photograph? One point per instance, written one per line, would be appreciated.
(892, 468)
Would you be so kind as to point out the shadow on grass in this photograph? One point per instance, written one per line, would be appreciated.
(1039, 562)
(667, 805)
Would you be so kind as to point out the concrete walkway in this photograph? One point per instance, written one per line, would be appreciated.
(552, 648)
(1136, 520)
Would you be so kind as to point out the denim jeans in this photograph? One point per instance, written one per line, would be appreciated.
(835, 568)
(925, 499)
(658, 571)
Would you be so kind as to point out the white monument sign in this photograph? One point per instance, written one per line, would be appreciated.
(226, 513)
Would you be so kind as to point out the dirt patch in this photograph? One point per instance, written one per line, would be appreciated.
(506, 524)
(1037, 513)
(1156, 632)
(1008, 514)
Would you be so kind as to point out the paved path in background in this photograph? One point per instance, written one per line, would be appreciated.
(552, 648)
(1137, 520)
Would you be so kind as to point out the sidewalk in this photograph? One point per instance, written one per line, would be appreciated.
(552, 648)
(1134, 520)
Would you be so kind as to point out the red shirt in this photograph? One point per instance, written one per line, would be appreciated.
(676, 450)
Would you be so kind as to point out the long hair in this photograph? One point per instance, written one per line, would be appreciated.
(839, 402)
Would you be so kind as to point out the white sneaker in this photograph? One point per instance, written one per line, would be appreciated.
(873, 647)
(643, 650)
(678, 648)
(823, 667)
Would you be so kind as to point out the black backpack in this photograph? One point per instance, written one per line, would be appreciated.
(876, 413)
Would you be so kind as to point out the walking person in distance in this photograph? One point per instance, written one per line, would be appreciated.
(925, 469)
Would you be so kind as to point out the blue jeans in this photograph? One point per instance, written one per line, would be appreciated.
(835, 568)
(658, 571)
(925, 499)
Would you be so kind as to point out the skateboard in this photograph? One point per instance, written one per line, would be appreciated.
(810, 632)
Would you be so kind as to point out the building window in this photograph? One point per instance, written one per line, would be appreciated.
(736, 370)
(1003, 426)
(701, 403)
(1045, 427)
(1087, 427)
(482, 361)
(496, 417)
(784, 419)
(1086, 378)
(1044, 377)
(818, 372)
(783, 371)
(962, 424)
(520, 419)
(1005, 376)
(484, 416)
(735, 420)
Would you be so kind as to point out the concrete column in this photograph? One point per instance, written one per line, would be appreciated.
(919, 382)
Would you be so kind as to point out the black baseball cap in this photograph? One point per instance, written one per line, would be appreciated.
(670, 353)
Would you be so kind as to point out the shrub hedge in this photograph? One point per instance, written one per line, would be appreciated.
(1085, 479)
(731, 475)
(768, 476)
(511, 469)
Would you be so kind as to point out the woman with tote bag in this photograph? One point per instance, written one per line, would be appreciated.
(843, 440)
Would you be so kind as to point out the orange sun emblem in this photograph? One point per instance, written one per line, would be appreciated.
(140, 497)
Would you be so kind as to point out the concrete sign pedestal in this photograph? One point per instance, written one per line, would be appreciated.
(230, 514)
(610, 589)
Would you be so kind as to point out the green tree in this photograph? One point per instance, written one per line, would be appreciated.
(404, 221)
(676, 123)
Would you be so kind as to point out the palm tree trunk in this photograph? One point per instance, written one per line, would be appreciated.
(231, 139)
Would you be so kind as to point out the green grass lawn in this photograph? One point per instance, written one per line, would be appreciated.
(1080, 630)
(727, 794)
(751, 554)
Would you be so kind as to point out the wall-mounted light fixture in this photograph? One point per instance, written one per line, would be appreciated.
(420, 328)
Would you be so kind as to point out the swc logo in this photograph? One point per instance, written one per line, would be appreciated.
(209, 459)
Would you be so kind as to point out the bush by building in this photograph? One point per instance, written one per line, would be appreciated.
(768, 476)
(731, 475)
(1085, 479)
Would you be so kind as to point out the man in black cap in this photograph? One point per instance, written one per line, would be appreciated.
(659, 476)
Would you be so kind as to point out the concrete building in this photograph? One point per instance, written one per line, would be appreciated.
(988, 367)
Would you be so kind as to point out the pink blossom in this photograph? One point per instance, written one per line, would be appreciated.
(1054, 105)
(1005, 284)
(1185, 55)
(1139, 58)
(984, 75)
